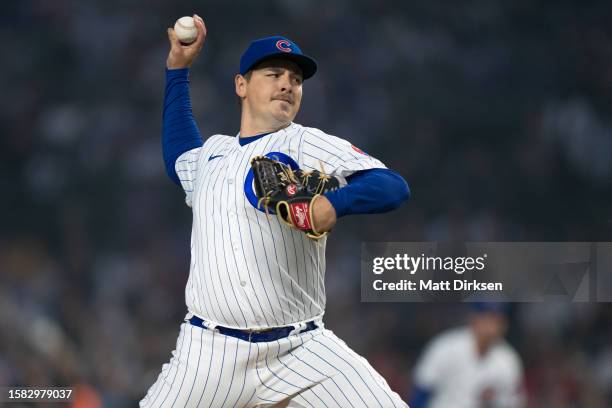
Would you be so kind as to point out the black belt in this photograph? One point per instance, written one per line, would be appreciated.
(255, 336)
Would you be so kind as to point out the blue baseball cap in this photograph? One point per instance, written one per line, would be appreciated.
(276, 47)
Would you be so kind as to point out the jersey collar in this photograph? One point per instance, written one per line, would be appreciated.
(246, 140)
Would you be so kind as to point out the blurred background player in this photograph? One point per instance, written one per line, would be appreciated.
(471, 366)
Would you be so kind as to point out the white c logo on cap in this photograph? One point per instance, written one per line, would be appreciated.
(284, 45)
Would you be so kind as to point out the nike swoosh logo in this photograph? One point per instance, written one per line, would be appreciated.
(215, 157)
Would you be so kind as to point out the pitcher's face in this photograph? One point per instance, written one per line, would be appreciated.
(272, 91)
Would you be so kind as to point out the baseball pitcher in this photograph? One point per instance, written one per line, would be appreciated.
(264, 202)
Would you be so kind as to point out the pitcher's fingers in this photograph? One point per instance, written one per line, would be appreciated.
(201, 31)
(198, 18)
(174, 41)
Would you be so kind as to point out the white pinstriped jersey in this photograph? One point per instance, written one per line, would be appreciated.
(247, 269)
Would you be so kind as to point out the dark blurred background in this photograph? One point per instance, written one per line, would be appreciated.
(498, 114)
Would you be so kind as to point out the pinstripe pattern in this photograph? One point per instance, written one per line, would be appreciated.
(249, 271)
(313, 370)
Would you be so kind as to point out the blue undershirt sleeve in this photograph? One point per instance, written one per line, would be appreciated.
(420, 397)
(369, 192)
(179, 130)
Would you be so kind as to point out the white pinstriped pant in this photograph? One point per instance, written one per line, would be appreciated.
(310, 370)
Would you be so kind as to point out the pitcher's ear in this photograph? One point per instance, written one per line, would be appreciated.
(241, 83)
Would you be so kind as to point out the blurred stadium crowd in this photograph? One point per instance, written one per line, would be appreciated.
(497, 113)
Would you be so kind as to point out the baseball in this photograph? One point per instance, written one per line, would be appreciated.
(186, 30)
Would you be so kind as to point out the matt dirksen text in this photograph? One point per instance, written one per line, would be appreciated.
(456, 284)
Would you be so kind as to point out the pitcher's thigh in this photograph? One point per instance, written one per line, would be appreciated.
(206, 369)
(355, 383)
